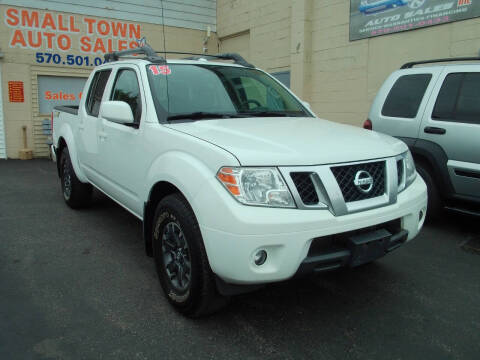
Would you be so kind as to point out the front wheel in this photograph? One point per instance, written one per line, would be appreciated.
(181, 260)
(75, 193)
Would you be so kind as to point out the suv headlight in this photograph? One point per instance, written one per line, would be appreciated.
(409, 172)
(256, 186)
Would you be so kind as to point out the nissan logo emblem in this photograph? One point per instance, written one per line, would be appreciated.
(363, 181)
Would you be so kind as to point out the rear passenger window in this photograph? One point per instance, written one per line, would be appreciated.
(447, 97)
(406, 96)
(95, 93)
(458, 99)
(126, 89)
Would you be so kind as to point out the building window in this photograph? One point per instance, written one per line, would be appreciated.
(58, 90)
(283, 77)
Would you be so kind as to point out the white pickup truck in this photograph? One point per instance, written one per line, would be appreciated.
(237, 182)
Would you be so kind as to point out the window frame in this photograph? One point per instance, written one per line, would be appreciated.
(92, 86)
(453, 119)
(112, 89)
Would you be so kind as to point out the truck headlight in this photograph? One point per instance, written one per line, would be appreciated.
(256, 186)
(408, 169)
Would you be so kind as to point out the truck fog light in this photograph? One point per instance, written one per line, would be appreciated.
(421, 215)
(260, 257)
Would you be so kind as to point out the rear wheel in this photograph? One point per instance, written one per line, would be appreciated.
(181, 260)
(435, 204)
(75, 193)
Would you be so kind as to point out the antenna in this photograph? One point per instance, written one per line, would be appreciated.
(163, 30)
(205, 40)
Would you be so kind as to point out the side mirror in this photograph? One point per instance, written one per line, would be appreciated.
(117, 111)
(307, 105)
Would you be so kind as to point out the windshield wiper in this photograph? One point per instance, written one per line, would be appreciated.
(269, 113)
(203, 115)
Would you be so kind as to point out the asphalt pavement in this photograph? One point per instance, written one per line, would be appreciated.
(78, 285)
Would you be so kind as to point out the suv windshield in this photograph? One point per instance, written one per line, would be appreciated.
(216, 91)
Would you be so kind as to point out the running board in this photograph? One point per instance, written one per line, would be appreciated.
(463, 211)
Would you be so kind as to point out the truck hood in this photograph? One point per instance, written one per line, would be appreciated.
(292, 141)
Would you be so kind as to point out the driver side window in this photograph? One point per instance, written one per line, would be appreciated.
(126, 89)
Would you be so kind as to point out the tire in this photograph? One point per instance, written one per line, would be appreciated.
(435, 204)
(181, 260)
(75, 193)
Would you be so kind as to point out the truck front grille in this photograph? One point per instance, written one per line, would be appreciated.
(345, 176)
(304, 184)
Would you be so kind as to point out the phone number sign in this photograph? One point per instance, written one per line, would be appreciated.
(67, 59)
(369, 18)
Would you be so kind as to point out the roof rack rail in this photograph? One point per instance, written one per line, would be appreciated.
(146, 50)
(237, 58)
(409, 65)
(152, 56)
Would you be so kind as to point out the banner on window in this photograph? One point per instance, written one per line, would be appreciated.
(58, 90)
(370, 18)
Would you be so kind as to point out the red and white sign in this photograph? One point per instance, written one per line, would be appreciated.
(15, 91)
(32, 29)
(160, 69)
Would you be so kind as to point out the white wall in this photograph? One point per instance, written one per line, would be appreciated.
(3, 151)
(191, 14)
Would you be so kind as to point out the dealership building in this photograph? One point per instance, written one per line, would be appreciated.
(335, 54)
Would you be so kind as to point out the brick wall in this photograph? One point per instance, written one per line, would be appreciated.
(268, 23)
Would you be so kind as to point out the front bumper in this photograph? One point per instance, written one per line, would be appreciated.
(233, 233)
(53, 153)
(353, 248)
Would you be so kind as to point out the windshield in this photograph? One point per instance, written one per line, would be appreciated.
(210, 91)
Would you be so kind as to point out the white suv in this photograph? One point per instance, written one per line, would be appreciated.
(237, 182)
(435, 110)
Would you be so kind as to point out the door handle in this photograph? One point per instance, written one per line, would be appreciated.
(102, 135)
(434, 130)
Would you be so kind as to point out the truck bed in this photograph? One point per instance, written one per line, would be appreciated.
(71, 109)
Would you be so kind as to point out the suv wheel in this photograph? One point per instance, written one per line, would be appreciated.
(181, 260)
(75, 193)
(434, 201)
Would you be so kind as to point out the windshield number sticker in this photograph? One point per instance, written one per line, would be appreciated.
(160, 69)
